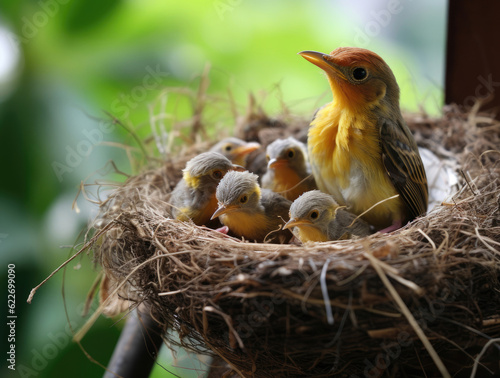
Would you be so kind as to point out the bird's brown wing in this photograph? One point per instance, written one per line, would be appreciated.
(404, 166)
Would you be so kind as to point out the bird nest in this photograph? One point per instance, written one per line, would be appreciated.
(421, 300)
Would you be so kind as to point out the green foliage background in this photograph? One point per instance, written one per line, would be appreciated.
(75, 60)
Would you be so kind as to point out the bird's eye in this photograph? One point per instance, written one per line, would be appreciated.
(228, 148)
(314, 214)
(290, 154)
(359, 73)
(217, 174)
(268, 158)
(243, 199)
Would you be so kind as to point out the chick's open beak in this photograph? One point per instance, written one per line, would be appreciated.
(295, 222)
(223, 209)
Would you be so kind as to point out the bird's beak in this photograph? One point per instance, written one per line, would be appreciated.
(275, 163)
(296, 222)
(246, 149)
(238, 168)
(323, 61)
(223, 209)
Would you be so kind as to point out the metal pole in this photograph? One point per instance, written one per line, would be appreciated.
(137, 348)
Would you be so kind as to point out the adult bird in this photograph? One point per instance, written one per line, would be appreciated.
(288, 171)
(250, 212)
(235, 149)
(315, 216)
(194, 196)
(360, 149)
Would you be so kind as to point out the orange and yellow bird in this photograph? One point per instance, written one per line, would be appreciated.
(288, 171)
(360, 149)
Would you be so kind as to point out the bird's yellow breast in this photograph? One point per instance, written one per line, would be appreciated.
(252, 226)
(199, 216)
(309, 233)
(346, 160)
(286, 182)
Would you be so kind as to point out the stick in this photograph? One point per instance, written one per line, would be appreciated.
(88, 244)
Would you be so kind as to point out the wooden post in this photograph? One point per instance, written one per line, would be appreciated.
(473, 53)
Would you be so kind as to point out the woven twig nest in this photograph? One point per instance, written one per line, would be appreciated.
(394, 304)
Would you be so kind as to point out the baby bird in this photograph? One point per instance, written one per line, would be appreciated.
(249, 211)
(287, 169)
(194, 196)
(315, 216)
(235, 149)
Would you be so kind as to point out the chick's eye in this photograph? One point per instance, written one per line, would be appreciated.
(314, 214)
(290, 153)
(228, 148)
(243, 199)
(359, 73)
(217, 174)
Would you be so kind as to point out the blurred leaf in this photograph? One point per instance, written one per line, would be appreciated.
(10, 9)
(99, 343)
(82, 15)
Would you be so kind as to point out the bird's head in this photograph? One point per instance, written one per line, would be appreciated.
(235, 149)
(206, 170)
(358, 77)
(312, 209)
(237, 191)
(286, 152)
